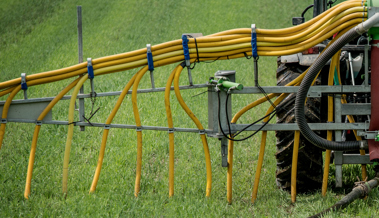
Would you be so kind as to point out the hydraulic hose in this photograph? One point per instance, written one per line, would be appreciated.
(36, 132)
(199, 126)
(106, 132)
(310, 76)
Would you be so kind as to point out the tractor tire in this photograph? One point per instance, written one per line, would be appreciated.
(309, 168)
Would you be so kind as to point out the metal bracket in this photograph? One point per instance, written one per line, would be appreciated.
(314, 94)
(107, 127)
(4, 121)
(39, 123)
(24, 85)
(171, 130)
(149, 53)
(202, 131)
(139, 129)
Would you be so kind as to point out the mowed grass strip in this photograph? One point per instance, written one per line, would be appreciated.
(39, 35)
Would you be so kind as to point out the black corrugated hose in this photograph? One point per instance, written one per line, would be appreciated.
(361, 190)
(303, 90)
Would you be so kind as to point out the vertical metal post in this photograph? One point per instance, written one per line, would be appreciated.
(338, 155)
(224, 152)
(80, 55)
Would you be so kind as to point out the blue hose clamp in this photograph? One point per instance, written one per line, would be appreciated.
(90, 69)
(185, 47)
(24, 86)
(149, 55)
(254, 41)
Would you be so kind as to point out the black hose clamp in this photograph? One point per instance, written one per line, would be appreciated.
(202, 131)
(171, 130)
(139, 129)
(39, 122)
(107, 127)
(4, 121)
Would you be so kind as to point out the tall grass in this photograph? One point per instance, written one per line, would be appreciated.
(39, 35)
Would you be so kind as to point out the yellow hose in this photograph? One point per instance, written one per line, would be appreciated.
(262, 149)
(333, 64)
(170, 134)
(106, 132)
(70, 132)
(139, 132)
(5, 112)
(36, 132)
(199, 126)
(295, 155)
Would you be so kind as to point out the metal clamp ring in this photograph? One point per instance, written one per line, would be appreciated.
(39, 123)
(201, 131)
(107, 127)
(4, 121)
(171, 130)
(139, 129)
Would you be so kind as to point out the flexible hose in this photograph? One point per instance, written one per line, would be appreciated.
(303, 90)
(70, 132)
(106, 132)
(5, 112)
(36, 132)
(139, 132)
(262, 149)
(170, 134)
(295, 155)
(199, 126)
(360, 191)
(329, 133)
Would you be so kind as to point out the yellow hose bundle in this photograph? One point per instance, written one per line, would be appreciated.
(228, 44)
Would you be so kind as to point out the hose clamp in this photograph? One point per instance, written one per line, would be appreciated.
(90, 68)
(202, 131)
(139, 129)
(171, 130)
(4, 121)
(107, 127)
(363, 145)
(24, 86)
(39, 123)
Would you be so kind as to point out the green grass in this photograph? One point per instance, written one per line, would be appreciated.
(37, 36)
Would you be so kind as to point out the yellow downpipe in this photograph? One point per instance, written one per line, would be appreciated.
(5, 112)
(106, 132)
(37, 128)
(170, 134)
(333, 64)
(199, 126)
(262, 149)
(295, 155)
(70, 132)
(139, 133)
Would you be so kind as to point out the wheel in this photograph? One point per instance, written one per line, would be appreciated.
(309, 169)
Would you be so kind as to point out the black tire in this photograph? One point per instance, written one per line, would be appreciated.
(309, 169)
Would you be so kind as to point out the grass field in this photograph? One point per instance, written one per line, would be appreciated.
(40, 35)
